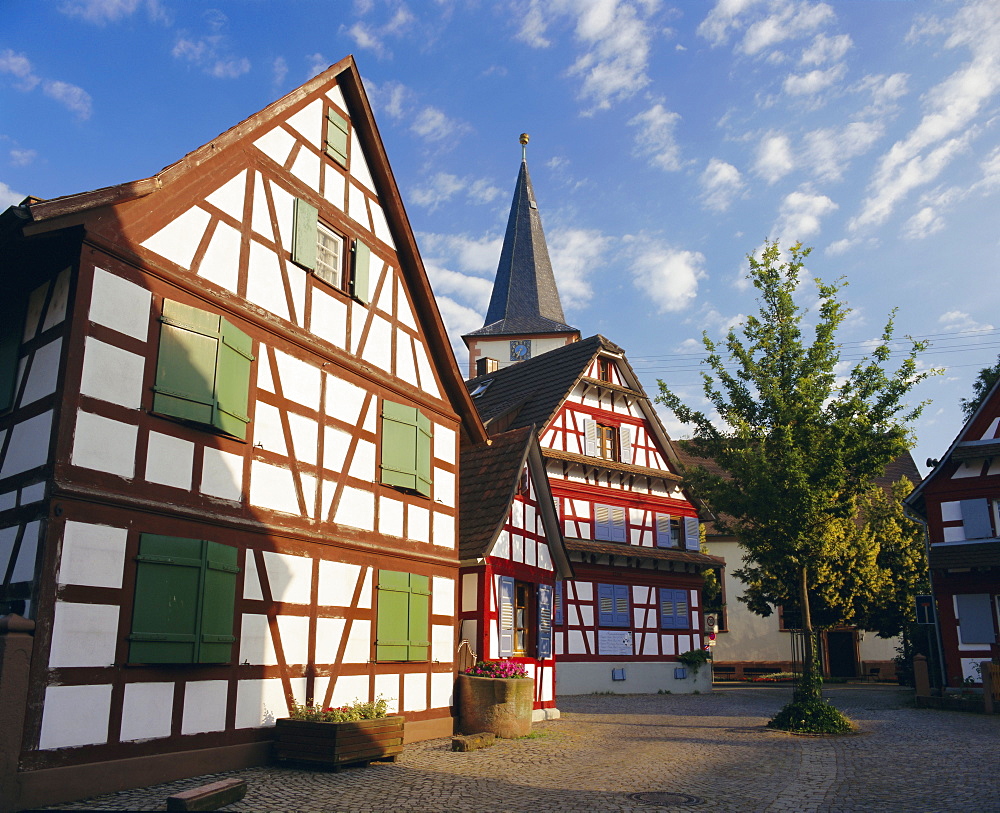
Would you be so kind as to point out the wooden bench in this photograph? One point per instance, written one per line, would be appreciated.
(209, 797)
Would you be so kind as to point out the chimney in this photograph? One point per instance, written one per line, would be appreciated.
(484, 366)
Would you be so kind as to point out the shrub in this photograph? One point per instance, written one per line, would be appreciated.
(811, 716)
(358, 710)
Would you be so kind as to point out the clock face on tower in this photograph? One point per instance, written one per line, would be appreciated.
(520, 349)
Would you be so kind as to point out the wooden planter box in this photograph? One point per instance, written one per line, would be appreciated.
(334, 745)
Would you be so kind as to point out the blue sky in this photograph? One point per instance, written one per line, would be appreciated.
(668, 140)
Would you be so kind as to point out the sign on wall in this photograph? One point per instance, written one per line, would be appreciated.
(614, 642)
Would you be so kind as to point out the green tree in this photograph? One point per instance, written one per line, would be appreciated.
(980, 388)
(800, 443)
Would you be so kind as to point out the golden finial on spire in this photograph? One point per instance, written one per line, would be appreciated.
(524, 139)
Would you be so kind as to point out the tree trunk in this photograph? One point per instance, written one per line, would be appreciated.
(810, 685)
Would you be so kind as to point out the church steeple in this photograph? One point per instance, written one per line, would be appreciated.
(525, 302)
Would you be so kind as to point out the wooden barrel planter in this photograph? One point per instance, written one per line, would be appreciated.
(334, 745)
(502, 706)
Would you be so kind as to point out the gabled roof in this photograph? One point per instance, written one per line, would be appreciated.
(489, 477)
(525, 299)
(531, 392)
(962, 447)
(40, 215)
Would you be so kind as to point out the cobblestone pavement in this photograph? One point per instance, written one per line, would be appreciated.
(705, 752)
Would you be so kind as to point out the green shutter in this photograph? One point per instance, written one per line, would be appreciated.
(423, 454)
(305, 225)
(336, 137)
(232, 381)
(359, 276)
(403, 618)
(186, 364)
(185, 598)
(11, 329)
(218, 604)
(399, 445)
(167, 591)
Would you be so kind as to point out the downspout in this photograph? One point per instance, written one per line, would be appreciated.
(908, 512)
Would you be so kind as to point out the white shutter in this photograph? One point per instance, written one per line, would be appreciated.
(625, 443)
(691, 535)
(590, 437)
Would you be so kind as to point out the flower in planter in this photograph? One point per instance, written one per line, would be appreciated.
(497, 669)
(358, 710)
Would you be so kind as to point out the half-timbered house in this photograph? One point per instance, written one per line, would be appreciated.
(512, 557)
(630, 531)
(230, 425)
(960, 503)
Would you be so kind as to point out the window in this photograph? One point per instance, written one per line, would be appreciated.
(975, 619)
(318, 249)
(402, 630)
(524, 608)
(336, 137)
(203, 369)
(609, 523)
(185, 595)
(668, 531)
(613, 605)
(976, 519)
(610, 442)
(406, 448)
(604, 369)
(481, 388)
(674, 609)
(329, 256)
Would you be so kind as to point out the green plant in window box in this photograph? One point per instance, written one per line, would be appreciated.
(693, 659)
(334, 736)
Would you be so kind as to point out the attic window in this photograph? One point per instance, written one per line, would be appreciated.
(481, 388)
(604, 370)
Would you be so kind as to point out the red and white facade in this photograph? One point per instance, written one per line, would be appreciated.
(960, 502)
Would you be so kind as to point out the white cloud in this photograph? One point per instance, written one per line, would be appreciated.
(720, 183)
(476, 254)
(111, 11)
(317, 63)
(8, 197)
(533, 26)
(668, 276)
(655, 138)
(279, 68)
(431, 124)
(576, 254)
(840, 247)
(774, 158)
(925, 222)
(828, 151)
(949, 121)
(786, 20)
(392, 98)
(813, 82)
(473, 291)
(443, 186)
(826, 49)
(990, 166)
(21, 158)
(74, 98)
(723, 17)
(213, 52)
(800, 214)
(961, 322)
(400, 103)
(884, 90)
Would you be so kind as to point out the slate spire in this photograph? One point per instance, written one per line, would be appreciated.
(525, 299)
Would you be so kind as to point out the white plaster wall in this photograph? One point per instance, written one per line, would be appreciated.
(415, 691)
(112, 374)
(260, 702)
(24, 567)
(442, 688)
(328, 317)
(356, 509)
(146, 711)
(339, 580)
(222, 474)
(44, 372)
(305, 437)
(349, 688)
(256, 646)
(205, 704)
(442, 643)
(641, 677)
(359, 642)
(28, 446)
(418, 523)
(251, 581)
(75, 715)
(442, 595)
(470, 587)
(229, 197)
(294, 632)
(92, 555)
(169, 461)
(444, 530)
(363, 461)
(444, 487)
(300, 382)
(390, 516)
(388, 687)
(83, 635)
(178, 241)
(290, 577)
(276, 144)
(329, 632)
(335, 446)
(104, 444)
(120, 305)
(265, 284)
(272, 487)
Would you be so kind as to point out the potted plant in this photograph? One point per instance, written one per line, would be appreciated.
(497, 697)
(337, 736)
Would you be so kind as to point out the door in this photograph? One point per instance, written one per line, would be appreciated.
(842, 653)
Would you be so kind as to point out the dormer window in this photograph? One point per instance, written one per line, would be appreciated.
(604, 370)
(481, 388)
